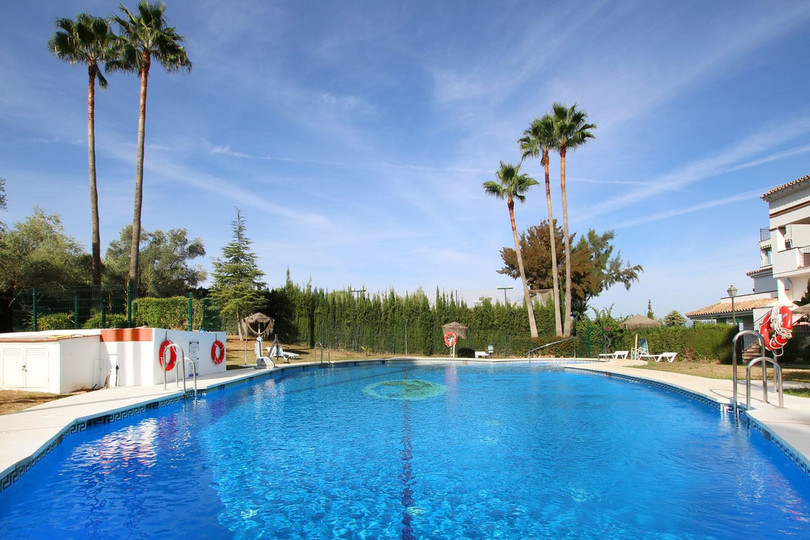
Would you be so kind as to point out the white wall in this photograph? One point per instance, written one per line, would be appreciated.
(78, 364)
(59, 362)
(191, 342)
(53, 365)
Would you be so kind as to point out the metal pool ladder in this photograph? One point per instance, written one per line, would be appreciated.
(764, 360)
(177, 373)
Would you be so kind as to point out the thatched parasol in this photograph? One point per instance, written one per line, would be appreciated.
(457, 328)
(639, 321)
(258, 324)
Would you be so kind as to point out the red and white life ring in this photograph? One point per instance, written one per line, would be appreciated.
(218, 352)
(777, 327)
(172, 355)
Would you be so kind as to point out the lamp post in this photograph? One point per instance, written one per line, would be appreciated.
(504, 289)
(506, 327)
(732, 292)
(357, 342)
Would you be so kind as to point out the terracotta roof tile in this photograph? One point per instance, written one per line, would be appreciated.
(762, 271)
(785, 186)
(724, 308)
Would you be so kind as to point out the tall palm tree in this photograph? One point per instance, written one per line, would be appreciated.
(537, 140)
(512, 185)
(570, 131)
(87, 40)
(143, 36)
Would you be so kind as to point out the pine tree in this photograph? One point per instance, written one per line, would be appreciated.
(237, 279)
(674, 319)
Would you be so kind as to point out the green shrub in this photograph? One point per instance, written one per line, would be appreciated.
(111, 320)
(700, 342)
(171, 313)
(55, 321)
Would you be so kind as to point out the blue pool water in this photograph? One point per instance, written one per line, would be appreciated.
(411, 451)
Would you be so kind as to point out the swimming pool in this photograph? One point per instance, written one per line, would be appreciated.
(417, 451)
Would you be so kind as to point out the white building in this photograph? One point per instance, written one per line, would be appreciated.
(788, 248)
(784, 270)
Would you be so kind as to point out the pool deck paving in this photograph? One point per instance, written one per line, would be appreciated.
(28, 435)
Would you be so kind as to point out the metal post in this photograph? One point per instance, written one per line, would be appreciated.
(734, 363)
(506, 330)
(129, 305)
(732, 292)
(589, 342)
(34, 308)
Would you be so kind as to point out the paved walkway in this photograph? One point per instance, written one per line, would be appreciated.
(28, 435)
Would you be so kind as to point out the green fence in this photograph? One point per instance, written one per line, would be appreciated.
(107, 307)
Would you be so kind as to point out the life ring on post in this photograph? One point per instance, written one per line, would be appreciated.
(172, 355)
(218, 352)
(777, 327)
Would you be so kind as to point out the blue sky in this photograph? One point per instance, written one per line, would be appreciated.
(355, 136)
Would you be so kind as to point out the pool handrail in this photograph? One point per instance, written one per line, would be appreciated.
(529, 353)
(183, 359)
(777, 376)
(734, 364)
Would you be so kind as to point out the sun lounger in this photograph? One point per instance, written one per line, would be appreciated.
(278, 352)
(615, 355)
(668, 356)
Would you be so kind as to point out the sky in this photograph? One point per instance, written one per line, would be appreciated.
(354, 136)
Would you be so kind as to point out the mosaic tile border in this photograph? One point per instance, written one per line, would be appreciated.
(25, 465)
(798, 459)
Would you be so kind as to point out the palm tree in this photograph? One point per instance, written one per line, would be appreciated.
(512, 185)
(87, 40)
(145, 36)
(570, 131)
(538, 140)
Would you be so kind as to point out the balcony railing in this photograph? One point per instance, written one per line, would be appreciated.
(790, 260)
(764, 234)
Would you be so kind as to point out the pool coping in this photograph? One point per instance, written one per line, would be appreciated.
(29, 435)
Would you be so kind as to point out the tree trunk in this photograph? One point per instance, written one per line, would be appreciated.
(527, 297)
(567, 318)
(91, 158)
(552, 234)
(135, 248)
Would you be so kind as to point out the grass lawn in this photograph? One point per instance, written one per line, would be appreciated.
(714, 370)
(240, 353)
(17, 400)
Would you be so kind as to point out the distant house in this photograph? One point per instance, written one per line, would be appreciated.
(784, 248)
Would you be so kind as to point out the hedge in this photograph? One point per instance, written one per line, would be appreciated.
(169, 313)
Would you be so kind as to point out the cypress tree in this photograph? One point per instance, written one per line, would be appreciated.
(238, 284)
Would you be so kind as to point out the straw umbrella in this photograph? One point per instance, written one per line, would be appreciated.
(259, 324)
(639, 321)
